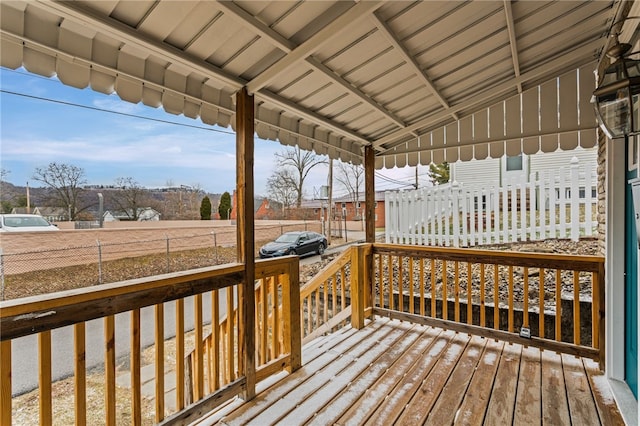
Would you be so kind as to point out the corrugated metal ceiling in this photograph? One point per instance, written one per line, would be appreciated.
(333, 76)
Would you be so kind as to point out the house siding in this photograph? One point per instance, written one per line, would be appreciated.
(489, 170)
(553, 161)
(467, 172)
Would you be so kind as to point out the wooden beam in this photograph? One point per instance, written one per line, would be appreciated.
(245, 229)
(369, 194)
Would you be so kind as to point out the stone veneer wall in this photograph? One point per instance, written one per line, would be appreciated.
(602, 191)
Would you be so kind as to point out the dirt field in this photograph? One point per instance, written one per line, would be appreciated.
(129, 232)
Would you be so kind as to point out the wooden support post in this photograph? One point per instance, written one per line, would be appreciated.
(244, 230)
(5, 382)
(292, 324)
(370, 194)
(601, 316)
(357, 286)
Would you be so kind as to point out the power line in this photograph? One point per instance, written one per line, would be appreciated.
(39, 98)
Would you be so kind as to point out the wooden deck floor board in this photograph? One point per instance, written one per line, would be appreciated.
(336, 384)
(503, 394)
(446, 406)
(394, 372)
(528, 409)
(427, 394)
(399, 397)
(367, 348)
(362, 409)
(555, 408)
(605, 403)
(322, 357)
(582, 407)
(415, 341)
(474, 405)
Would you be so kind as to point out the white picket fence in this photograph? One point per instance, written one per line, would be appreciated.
(549, 205)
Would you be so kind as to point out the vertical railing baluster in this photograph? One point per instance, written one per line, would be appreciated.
(525, 309)
(482, 283)
(199, 370)
(433, 289)
(558, 305)
(496, 297)
(80, 373)
(456, 272)
(422, 286)
(541, 303)
(159, 360)
(576, 307)
(469, 294)
(180, 385)
(44, 377)
(5, 382)
(276, 316)
(445, 304)
(136, 384)
(411, 298)
(214, 360)
(263, 324)
(110, 370)
(511, 326)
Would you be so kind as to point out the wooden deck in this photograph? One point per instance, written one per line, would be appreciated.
(394, 372)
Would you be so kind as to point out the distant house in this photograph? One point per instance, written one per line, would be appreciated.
(52, 214)
(497, 171)
(144, 214)
(345, 207)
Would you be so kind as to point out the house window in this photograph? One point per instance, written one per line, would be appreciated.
(375, 205)
(514, 163)
(376, 216)
(344, 205)
(358, 205)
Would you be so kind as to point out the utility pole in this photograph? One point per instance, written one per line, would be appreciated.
(28, 200)
(330, 184)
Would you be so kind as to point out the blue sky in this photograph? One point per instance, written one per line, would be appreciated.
(35, 132)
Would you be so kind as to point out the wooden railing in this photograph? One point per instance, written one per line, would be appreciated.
(487, 293)
(40, 315)
(494, 294)
(277, 331)
(325, 300)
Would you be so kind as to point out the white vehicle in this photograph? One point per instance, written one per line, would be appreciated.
(25, 223)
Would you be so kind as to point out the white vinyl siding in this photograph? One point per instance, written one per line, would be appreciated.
(488, 170)
(470, 172)
(553, 161)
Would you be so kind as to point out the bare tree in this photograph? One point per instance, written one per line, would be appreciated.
(282, 187)
(301, 162)
(65, 184)
(129, 197)
(351, 177)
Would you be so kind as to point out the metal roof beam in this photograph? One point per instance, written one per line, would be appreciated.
(287, 46)
(319, 66)
(512, 41)
(317, 41)
(397, 45)
(263, 30)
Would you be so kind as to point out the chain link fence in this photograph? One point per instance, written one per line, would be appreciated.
(28, 273)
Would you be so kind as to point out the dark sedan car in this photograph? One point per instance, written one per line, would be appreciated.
(300, 243)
